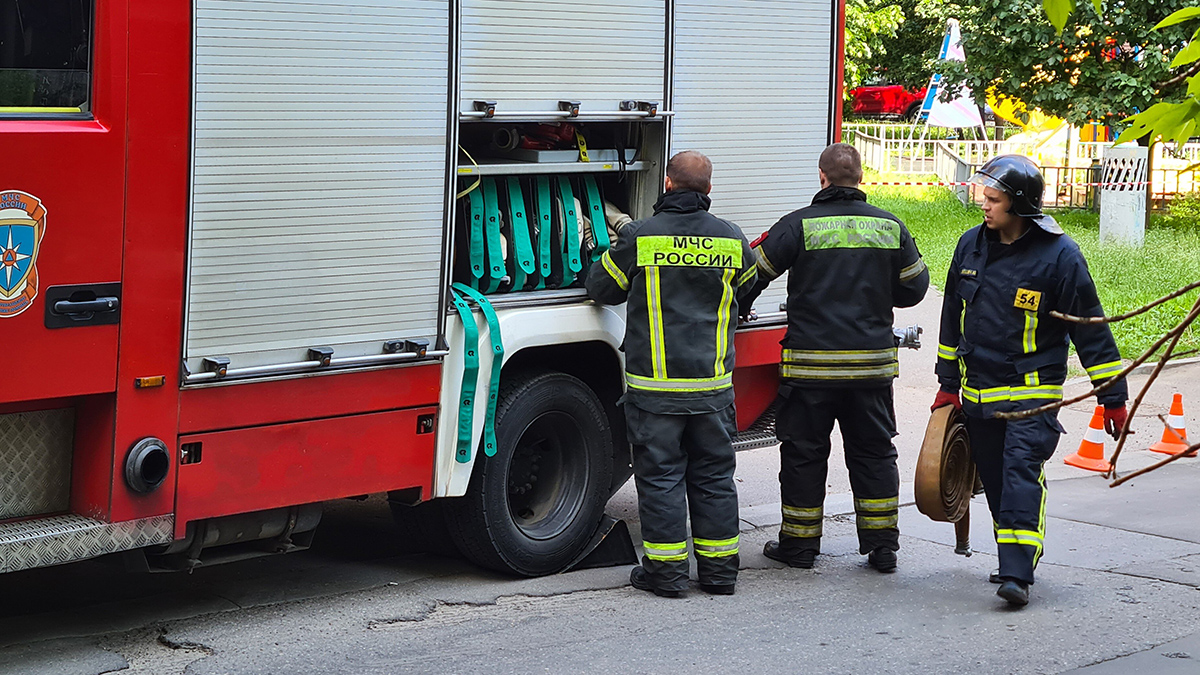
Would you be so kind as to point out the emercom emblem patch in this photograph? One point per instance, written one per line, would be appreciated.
(851, 232)
(666, 251)
(1028, 300)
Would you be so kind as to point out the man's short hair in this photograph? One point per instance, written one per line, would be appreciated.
(690, 170)
(841, 165)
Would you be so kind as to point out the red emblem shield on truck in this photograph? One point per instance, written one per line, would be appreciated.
(22, 224)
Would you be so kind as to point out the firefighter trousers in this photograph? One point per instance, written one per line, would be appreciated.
(684, 464)
(1010, 455)
(866, 418)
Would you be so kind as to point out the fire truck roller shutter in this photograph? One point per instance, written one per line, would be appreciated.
(527, 55)
(318, 193)
(763, 133)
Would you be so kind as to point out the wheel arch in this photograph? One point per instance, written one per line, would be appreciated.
(598, 365)
(582, 340)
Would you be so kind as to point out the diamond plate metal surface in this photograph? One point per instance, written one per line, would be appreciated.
(760, 434)
(62, 539)
(35, 462)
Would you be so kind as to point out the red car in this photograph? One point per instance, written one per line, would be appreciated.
(887, 101)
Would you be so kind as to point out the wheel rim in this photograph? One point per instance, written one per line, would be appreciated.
(547, 476)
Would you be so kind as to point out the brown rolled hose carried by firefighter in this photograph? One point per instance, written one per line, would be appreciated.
(946, 476)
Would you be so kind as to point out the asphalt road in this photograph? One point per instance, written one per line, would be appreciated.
(1117, 591)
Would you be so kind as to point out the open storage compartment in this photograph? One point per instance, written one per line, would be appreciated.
(539, 203)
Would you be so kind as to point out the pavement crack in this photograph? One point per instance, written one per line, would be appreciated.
(184, 645)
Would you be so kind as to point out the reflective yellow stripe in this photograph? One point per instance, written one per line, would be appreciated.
(1029, 340)
(715, 542)
(997, 394)
(615, 272)
(912, 271)
(877, 522)
(716, 548)
(678, 383)
(1104, 370)
(796, 530)
(947, 352)
(33, 110)
(1041, 514)
(658, 353)
(839, 357)
(1022, 537)
(747, 276)
(723, 322)
(1033, 379)
(760, 259)
(886, 504)
(666, 552)
(797, 512)
(839, 373)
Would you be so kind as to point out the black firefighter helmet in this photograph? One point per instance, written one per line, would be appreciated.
(1018, 177)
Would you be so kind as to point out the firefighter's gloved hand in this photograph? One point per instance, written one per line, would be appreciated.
(1114, 420)
(945, 398)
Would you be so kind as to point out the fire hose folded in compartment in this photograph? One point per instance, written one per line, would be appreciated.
(534, 233)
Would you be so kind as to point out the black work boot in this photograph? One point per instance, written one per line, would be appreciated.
(1016, 592)
(717, 589)
(882, 559)
(804, 559)
(995, 578)
(641, 581)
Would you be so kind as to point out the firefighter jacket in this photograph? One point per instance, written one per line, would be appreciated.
(998, 341)
(848, 264)
(682, 273)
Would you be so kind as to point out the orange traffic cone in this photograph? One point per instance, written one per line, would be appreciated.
(1091, 450)
(1170, 445)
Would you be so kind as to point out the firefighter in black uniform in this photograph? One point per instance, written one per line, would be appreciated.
(849, 264)
(682, 274)
(999, 345)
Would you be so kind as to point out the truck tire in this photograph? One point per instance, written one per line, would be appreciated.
(532, 507)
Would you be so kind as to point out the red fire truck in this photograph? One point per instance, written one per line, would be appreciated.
(260, 254)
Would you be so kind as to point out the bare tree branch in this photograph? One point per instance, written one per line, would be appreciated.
(1104, 386)
(1137, 402)
(1127, 315)
(1184, 453)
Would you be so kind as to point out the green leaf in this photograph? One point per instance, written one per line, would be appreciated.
(1187, 55)
(1193, 86)
(1098, 7)
(1058, 11)
(1185, 14)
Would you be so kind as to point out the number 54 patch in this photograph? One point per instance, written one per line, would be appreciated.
(1028, 300)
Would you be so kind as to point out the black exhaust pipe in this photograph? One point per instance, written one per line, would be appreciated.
(147, 465)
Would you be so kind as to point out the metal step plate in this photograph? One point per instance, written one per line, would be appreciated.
(760, 434)
(35, 462)
(40, 542)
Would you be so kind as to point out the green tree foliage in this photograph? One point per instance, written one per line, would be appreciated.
(1086, 67)
(868, 24)
(1173, 120)
(908, 55)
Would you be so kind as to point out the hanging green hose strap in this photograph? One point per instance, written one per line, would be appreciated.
(475, 236)
(571, 263)
(489, 421)
(545, 222)
(495, 247)
(466, 397)
(522, 246)
(595, 208)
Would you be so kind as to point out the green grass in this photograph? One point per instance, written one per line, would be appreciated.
(1126, 277)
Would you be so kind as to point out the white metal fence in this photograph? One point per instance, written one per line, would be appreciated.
(1071, 170)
